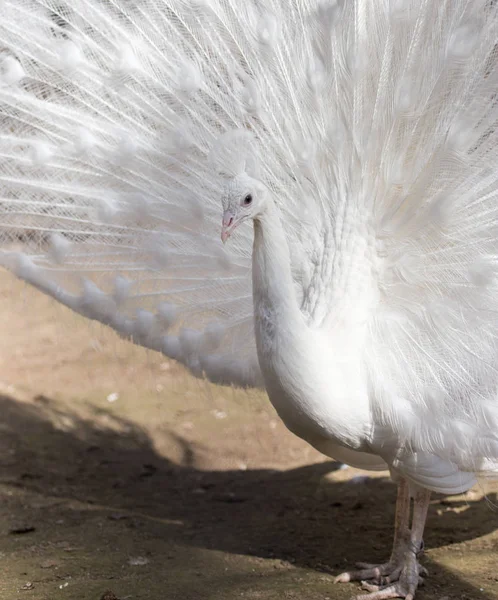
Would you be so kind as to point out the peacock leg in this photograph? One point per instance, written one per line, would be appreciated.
(400, 576)
(377, 572)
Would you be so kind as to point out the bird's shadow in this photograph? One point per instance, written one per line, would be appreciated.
(298, 515)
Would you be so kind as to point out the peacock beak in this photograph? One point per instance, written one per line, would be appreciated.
(228, 226)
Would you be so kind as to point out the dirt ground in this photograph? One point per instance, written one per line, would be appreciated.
(119, 473)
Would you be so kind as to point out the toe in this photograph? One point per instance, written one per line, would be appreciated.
(423, 571)
(393, 576)
(369, 587)
(376, 593)
(394, 579)
(374, 572)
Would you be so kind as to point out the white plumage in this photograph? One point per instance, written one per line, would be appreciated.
(361, 139)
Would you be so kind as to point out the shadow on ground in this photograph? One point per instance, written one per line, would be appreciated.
(109, 512)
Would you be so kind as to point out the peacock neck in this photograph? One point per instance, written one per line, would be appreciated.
(300, 366)
(273, 288)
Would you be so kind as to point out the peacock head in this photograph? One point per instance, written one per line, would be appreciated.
(243, 198)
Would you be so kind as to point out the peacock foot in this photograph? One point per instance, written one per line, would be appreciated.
(398, 578)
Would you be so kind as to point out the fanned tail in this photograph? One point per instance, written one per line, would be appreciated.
(432, 341)
(109, 114)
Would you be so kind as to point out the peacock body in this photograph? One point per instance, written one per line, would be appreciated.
(360, 138)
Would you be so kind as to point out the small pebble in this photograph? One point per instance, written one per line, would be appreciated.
(138, 561)
(27, 586)
(219, 414)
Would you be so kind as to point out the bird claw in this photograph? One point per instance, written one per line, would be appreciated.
(395, 590)
(381, 574)
(398, 578)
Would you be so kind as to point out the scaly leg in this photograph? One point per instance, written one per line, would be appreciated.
(399, 577)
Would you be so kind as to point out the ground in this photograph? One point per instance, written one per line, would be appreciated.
(119, 473)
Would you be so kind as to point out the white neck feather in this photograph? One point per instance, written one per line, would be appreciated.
(292, 355)
(273, 289)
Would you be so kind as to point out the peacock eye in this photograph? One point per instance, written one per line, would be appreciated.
(248, 199)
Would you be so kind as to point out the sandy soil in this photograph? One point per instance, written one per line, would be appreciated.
(121, 474)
